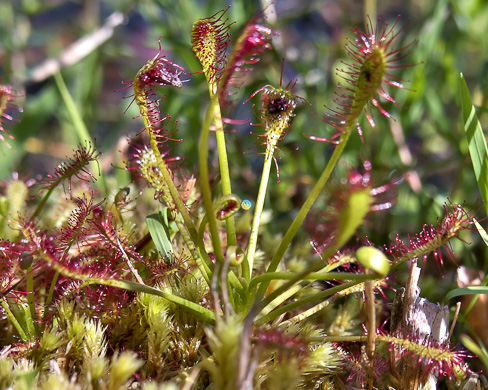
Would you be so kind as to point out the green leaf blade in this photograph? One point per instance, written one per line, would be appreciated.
(481, 231)
(159, 230)
(476, 141)
(466, 291)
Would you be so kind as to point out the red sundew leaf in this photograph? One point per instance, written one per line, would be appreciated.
(7, 95)
(169, 269)
(357, 369)
(431, 354)
(76, 166)
(10, 253)
(373, 57)
(102, 229)
(210, 38)
(76, 229)
(432, 237)
(161, 71)
(254, 40)
(286, 345)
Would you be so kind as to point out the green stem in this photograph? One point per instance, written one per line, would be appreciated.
(236, 283)
(247, 264)
(205, 182)
(209, 266)
(201, 231)
(316, 266)
(312, 197)
(337, 339)
(267, 277)
(30, 323)
(280, 299)
(51, 289)
(169, 182)
(202, 260)
(202, 313)
(207, 193)
(14, 321)
(304, 314)
(43, 201)
(188, 223)
(30, 298)
(224, 168)
(201, 263)
(311, 298)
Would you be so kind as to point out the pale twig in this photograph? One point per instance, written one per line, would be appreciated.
(77, 50)
(127, 260)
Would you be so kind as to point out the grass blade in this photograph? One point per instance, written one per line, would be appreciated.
(159, 231)
(476, 141)
(481, 231)
(466, 291)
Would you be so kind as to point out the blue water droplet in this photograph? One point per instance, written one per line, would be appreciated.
(246, 204)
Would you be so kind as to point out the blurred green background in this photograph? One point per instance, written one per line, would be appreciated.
(426, 139)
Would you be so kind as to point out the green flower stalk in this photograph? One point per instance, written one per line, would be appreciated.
(210, 38)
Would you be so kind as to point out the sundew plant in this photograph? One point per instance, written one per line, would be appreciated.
(226, 243)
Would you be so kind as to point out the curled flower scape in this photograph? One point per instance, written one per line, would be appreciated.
(433, 237)
(227, 206)
(157, 71)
